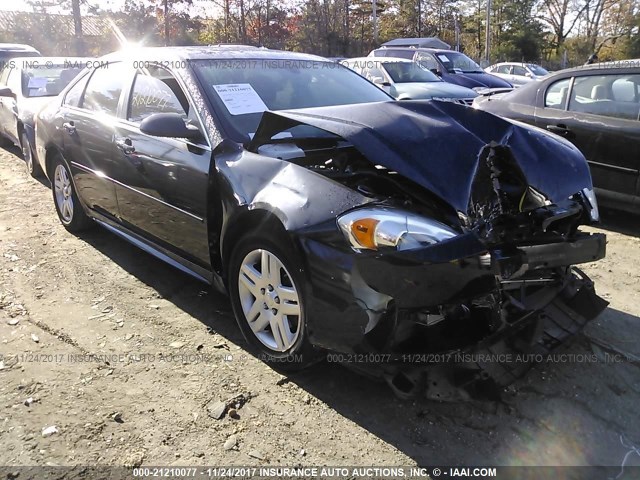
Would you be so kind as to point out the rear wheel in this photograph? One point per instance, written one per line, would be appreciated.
(68, 207)
(27, 153)
(267, 294)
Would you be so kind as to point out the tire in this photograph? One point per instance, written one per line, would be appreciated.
(280, 338)
(70, 211)
(33, 168)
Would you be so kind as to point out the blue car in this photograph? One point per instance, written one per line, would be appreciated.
(453, 67)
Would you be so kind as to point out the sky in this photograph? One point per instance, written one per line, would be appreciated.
(115, 5)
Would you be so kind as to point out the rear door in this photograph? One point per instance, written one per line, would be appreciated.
(599, 114)
(88, 129)
(162, 182)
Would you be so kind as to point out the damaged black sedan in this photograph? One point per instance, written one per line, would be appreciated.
(336, 218)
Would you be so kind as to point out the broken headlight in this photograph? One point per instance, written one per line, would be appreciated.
(374, 228)
(590, 195)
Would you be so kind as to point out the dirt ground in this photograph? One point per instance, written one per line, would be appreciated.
(166, 348)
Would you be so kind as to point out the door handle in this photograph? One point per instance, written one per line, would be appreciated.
(125, 145)
(69, 127)
(561, 130)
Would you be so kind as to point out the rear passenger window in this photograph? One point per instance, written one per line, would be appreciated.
(503, 69)
(556, 94)
(104, 89)
(74, 95)
(607, 95)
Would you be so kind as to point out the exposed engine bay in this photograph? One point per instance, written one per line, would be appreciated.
(507, 281)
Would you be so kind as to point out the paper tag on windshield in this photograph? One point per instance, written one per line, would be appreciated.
(37, 82)
(444, 58)
(240, 98)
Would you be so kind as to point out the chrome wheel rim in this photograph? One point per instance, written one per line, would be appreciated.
(63, 194)
(270, 301)
(26, 153)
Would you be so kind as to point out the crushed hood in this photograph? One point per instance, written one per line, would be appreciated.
(438, 144)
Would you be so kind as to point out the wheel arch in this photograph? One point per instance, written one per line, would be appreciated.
(244, 222)
(51, 151)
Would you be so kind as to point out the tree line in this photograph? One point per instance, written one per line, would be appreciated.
(556, 33)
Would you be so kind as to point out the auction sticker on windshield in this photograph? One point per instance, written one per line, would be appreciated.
(240, 98)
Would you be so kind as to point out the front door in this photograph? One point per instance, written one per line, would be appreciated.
(162, 182)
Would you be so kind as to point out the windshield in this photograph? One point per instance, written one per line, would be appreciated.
(407, 72)
(453, 61)
(240, 94)
(46, 82)
(537, 70)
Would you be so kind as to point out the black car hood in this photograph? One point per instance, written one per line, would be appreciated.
(438, 144)
(473, 80)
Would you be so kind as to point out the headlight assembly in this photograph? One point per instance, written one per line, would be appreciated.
(374, 228)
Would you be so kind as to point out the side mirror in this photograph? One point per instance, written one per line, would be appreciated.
(377, 80)
(528, 75)
(435, 71)
(6, 92)
(168, 125)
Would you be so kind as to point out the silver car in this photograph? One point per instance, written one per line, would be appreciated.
(517, 74)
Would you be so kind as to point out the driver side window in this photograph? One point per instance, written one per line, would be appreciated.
(156, 90)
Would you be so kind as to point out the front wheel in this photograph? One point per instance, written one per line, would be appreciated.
(27, 153)
(65, 199)
(267, 294)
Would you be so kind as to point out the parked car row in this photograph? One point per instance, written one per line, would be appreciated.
(334, 217)
(453, 67)
(405, 80)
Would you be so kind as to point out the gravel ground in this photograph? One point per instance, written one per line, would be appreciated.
(168, 350)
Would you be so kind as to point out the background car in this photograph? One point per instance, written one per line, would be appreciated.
(453, 67)
(597, 108)
(26, 85)
(335, 217)
(405, 80)
(517, 74)
(12, 50)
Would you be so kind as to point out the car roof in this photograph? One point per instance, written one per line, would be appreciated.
(512, 63)
(53, 60)
(611, 65)
(379, 59)
(425, 42)
(421, 49)
(17, 47)
(210, 52)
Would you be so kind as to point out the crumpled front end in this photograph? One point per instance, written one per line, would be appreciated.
(421, 285)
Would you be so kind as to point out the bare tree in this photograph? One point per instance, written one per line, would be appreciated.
(562, 16)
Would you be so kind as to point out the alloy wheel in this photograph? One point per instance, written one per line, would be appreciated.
(269, 300)
(63, 193)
